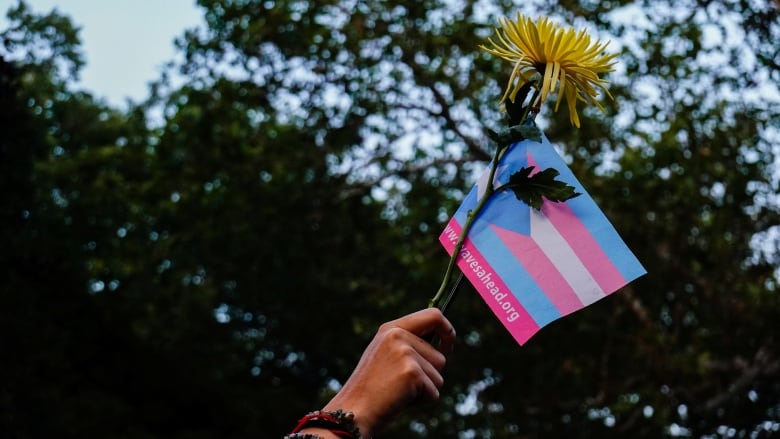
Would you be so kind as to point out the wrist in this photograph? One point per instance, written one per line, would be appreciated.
(323, 424)
(361, 417)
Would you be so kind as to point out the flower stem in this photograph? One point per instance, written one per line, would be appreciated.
(529, 108)
(472, 215)
(470, 218)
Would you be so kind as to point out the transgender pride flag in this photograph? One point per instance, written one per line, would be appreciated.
(532, 267)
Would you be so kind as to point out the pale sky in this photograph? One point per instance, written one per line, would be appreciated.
(126, 42)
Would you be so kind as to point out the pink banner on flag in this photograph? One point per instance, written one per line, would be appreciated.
(490, 287)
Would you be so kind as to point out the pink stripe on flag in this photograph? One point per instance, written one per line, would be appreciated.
(582, 242)
(490, 286)
(585, 246)
(541, 269)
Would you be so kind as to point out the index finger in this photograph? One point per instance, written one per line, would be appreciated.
(426, 322)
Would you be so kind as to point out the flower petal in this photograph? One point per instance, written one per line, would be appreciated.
(559, 55)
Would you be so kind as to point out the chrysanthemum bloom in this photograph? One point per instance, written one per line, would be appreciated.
(560, 55)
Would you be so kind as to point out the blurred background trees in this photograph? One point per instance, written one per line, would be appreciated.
(211, 262)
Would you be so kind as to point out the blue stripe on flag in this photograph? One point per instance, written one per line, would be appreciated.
(515, 276)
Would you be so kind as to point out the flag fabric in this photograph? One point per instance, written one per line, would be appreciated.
(532, 267)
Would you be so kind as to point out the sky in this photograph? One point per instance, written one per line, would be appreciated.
(126, 42)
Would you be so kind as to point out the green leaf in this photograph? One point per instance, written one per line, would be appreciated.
(534, 189)
(530, 132)
(516, 134)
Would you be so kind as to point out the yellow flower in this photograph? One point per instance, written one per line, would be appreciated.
(560, 55)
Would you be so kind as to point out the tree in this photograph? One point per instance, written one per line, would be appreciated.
(235, 257)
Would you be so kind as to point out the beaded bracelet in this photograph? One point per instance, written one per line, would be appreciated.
(340, 423)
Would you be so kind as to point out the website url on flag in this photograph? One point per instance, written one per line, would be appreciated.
(484, 276)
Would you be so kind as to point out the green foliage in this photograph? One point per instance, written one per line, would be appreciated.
(534, 189)
(214, 271)
(516, 133)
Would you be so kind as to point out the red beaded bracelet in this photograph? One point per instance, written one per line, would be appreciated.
(340, 423)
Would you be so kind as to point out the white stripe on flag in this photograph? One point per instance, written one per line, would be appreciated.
(564, 259)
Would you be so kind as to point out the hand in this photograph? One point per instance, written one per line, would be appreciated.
(397, 368)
